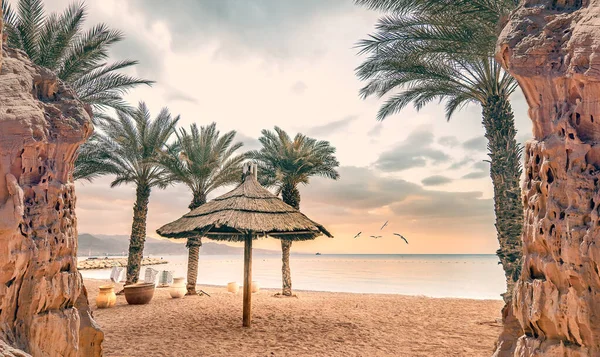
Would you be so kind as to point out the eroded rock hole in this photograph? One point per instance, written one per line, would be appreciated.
(552, 228)
(577, 118)
(592, 118)
(592, 204)
(550, 175)
(537, 159)
(10, 282)
(571, 136)
(535, 273)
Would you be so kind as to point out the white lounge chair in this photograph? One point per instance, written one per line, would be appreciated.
(116, 274)
(150, 276)
(165, 278)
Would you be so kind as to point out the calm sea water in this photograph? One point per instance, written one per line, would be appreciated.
(460, 276)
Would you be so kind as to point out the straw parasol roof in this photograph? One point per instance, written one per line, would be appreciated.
(247, 208)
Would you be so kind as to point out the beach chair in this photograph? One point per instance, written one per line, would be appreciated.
(116, 274)
(150, 276)
(165, 278)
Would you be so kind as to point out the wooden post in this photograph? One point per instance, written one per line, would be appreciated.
(247, 321)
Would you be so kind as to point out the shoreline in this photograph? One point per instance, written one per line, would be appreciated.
(313, 324)
(275, 290)
(108, 263)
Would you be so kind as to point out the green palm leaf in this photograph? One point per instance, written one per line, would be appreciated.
(59, 43)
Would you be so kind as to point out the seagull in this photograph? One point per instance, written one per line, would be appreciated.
(356, 236)
(401, 236)
(375, 237)
(385, 224)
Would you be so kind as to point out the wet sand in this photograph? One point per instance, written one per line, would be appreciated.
(314, 324)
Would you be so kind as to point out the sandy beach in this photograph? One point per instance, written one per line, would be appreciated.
(314, 324)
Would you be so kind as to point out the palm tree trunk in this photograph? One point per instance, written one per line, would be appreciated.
(138, 233)
(291, 196)
(505, 171)
(194, 244)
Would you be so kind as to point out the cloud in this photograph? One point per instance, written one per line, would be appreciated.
(446, 205)
(331, 127)
(415, 151)
(375, 131)
(449, 141)
(249, 142)
(477, 143)
(174, 94)
(459, 164)
(475, 175)
(265, 26)
(482, 165)
(522, 138)
(299, 87)
(361, 189)
(436, 180)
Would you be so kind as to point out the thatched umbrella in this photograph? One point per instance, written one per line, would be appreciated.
(241, 215)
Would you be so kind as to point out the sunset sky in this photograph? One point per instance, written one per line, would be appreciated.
(252, 65)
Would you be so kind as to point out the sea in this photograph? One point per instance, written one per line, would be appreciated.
(472, 276)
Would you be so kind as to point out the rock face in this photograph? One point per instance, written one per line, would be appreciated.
(552, 47)
(43, 305)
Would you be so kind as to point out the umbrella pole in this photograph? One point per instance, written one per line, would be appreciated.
(247, 320)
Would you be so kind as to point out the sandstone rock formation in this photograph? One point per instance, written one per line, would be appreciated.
(43, 305)
(552, 47)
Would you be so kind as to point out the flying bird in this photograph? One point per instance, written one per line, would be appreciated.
(401, 236)
(357, 235)
(385, 224)
(375, 237)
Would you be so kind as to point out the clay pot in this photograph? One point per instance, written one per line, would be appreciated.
(139, 294)
(255, 286)
(178, 288)
(106, 297)
(233, 287)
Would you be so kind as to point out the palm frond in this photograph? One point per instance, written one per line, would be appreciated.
(433, 50)
(282, 160)
(129, 148)
(31, 19)
(78, 57)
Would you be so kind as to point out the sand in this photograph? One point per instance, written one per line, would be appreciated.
(314, 324)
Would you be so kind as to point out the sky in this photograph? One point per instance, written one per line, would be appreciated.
(253, 65)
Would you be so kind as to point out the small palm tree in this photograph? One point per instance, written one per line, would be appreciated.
(203, 161)
(427, 50)
(59, 43)
(129, 148)
(287, 163)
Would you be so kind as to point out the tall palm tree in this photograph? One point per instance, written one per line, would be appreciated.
(129, 148)
(426, 50)
(203, 160)
(78, 57)
(286, 163)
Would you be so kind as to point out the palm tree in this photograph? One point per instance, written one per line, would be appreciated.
(128, 148)
(59, 43)
(203, 161)
(426, 50)
(287, 163)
